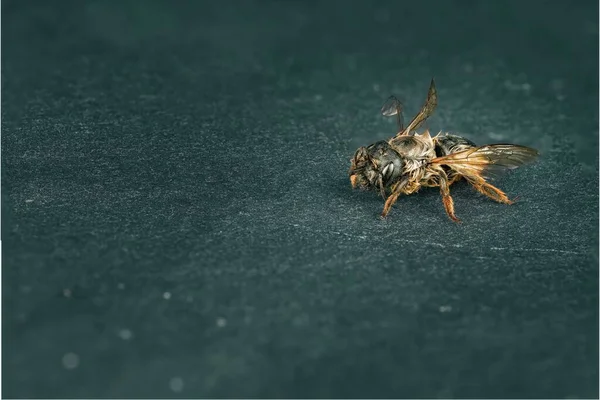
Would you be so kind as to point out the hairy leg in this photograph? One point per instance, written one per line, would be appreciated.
(397, 189)
(490, 191)
(446, 198)
(389, 203)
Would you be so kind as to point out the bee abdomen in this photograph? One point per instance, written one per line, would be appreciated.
(450, 144)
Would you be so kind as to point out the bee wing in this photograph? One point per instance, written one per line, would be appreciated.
(488, 161)
(426, 111)
(393, 106)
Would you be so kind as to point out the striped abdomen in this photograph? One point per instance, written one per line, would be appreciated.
(449, 144)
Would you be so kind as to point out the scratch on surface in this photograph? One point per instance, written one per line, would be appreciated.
(364, 237)
(536, 250)
(361, 237)
(391, 238)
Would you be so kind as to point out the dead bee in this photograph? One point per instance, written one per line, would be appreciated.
(409, 161)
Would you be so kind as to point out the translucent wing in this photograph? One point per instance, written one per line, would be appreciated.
(393, 106)
(426, 111)
(488, 161)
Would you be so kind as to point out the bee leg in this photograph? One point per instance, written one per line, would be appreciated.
(447, 199)
(449, 206)
(397, 189)
(491, 191)
(381, 187)
(389, 203)
(453, 179)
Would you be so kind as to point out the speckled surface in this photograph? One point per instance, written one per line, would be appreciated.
(178, 221)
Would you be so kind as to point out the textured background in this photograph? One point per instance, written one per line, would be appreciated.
(178, 221)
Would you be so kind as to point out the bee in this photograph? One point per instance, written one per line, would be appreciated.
(409, 161)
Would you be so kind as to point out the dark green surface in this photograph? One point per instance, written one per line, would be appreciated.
(202, 150)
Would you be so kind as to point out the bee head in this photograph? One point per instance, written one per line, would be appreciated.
(375, 166)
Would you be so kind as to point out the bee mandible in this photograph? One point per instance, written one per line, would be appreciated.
(409, 160)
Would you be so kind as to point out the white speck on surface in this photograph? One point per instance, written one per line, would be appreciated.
(166, 295)
(189, 299)
(221, 322)
(67, 292)
(29, 201)
(120, 286)
(318, 97)
(176, 384)
(525, 87)
(70, 361)
(376, 87)
(125, 334)
(468, 68)
(560, 97)
(445, 308)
